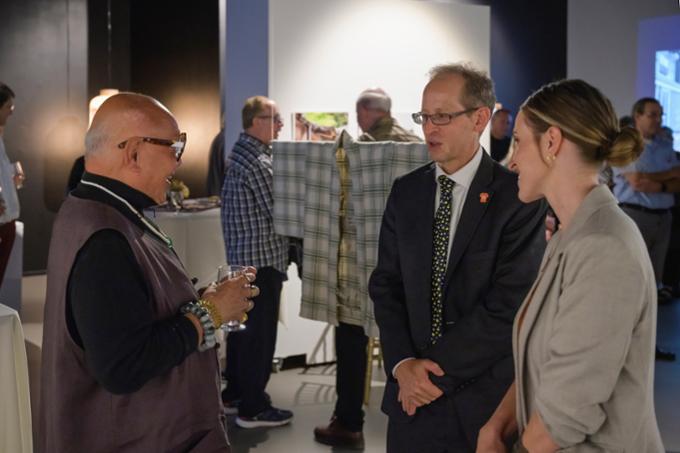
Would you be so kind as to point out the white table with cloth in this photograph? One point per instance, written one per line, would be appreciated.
(16, 434)
(196, 237)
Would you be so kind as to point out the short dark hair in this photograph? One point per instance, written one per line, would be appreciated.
(252, 107)
(503, 110)
(5, 93)
(478, 90)
(639, 106)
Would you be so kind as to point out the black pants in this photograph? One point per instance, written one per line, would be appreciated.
(350, 349)
(436, 428)
(671, 269)
(250, 352)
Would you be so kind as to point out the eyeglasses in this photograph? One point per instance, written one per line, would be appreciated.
(177, 146)
(441, 118)
(276, 118)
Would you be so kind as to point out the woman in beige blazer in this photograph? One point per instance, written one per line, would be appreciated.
(584, 337)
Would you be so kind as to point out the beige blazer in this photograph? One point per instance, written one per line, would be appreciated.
(584, 352)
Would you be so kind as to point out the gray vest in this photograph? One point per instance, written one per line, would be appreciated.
(177, 412)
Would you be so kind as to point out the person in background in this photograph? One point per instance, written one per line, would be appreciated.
(346, 426)
(501, 123)
(583, 340)
(249, 237)
(129, 361)
(9, 181)
(645, 190)
(375, 120)
(215, 178)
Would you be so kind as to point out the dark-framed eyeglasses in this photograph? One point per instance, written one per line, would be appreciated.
(176, 145)
(275, 118)
(439, 118)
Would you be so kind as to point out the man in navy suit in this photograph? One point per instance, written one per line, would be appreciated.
(458, 252)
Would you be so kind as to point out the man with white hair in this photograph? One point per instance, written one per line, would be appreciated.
(129, 361)
(375, 120)
(346, 425)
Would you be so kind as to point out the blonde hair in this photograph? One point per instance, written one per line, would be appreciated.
(585, 117)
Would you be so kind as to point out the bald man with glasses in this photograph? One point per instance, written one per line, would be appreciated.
(129, 361)
(457, 254)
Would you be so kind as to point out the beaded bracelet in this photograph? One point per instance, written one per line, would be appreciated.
(212, 311)
(209, 338)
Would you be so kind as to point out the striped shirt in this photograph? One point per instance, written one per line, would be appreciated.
(247, 206)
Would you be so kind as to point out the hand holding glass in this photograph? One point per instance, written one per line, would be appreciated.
(228, 272)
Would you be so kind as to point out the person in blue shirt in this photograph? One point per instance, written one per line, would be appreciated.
(645, 188)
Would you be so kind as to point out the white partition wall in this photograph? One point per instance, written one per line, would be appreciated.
(322, 54)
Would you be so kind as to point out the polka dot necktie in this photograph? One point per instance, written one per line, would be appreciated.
(442, 224)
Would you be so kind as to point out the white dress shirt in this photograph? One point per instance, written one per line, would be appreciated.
(463, 179)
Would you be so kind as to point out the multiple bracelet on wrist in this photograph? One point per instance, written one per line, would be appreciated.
(212, 311)
(205, 311)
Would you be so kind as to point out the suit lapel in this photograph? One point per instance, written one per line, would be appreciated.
(474, 208)
(420, 212)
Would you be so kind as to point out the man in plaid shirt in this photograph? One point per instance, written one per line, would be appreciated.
(250, 239)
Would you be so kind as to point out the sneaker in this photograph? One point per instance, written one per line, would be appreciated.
(267, 418)
(231, 407)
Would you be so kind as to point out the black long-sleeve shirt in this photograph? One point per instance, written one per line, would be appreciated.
(109, 310)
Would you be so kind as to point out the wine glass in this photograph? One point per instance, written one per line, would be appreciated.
(229, 271)
(18, 173)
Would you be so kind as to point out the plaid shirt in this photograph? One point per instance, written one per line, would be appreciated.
(307, 204)
(247, 203)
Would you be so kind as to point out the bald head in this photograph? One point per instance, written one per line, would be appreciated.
(121, 116)
(114, 145)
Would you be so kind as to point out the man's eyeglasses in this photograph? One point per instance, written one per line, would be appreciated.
(276, 118)
(177, 146)
(440, 118)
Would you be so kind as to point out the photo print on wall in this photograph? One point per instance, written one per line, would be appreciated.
(318, 126)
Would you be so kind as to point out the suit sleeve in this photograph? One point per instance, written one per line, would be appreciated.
(486, 331)
(600, 306)
(387, 292)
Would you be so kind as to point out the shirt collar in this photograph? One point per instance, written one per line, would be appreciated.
(258, 144)
(137, 199)
(464, 176)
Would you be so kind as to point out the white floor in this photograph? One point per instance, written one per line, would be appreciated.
(311, 394)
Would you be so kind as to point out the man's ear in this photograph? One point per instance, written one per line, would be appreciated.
(131, 155)
(482, 117)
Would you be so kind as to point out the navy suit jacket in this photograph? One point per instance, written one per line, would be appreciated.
(496, 251)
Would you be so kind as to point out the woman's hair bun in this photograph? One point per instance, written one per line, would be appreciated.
(625, 147)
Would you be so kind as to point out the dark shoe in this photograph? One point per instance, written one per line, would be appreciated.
(337, 435)
(267, 418)
(666, 356)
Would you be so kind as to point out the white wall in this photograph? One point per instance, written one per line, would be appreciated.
(322, 54)
(602, 44)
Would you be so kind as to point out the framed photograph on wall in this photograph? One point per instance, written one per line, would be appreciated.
(318, 126)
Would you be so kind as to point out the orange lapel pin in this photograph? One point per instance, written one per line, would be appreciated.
(483, 197)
